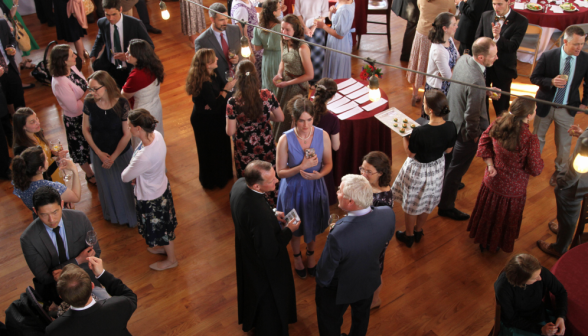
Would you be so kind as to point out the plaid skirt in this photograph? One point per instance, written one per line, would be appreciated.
(418, 185)
(78, 147)
(157, 219)
(317, 55)
(419, 59)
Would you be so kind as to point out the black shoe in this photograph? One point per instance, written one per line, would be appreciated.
(407, 240)
(461, 186)
(418, 235)
(454, 214)
(311, 270)
(28, 86)
(154, 30)
(301, 273)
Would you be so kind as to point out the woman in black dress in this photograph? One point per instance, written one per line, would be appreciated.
(208, 119)
(69, 28)
(376, 168)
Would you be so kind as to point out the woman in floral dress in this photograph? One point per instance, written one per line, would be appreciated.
(249, 113)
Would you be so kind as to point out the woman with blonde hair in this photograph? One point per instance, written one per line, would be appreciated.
(208, 119)
(106, 129)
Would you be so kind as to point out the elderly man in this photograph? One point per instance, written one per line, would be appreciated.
(469, 114)
(571, 61)
(221, 37)
(87, 316)
(348, 272)
(265, 286)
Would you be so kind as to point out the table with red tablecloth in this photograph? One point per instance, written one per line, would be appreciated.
(360, 135)
(572, 271)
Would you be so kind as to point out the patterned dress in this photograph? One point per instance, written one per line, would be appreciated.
(252, 20)
(78, 147)
(192, 18)
(384, 198)
(253, 139)
(498, 214)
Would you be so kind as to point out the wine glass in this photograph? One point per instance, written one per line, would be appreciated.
(91, 238)
(333, 218)
(232, 53)
(229, 76)
(66, 174)
(56, 145)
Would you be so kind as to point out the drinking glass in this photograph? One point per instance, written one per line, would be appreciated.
(91, 238)
(229, 76)
(232, 53)
(333, 218)
(56, 145)
(66, 174)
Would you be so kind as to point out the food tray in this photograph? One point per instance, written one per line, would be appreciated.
(534, 7)
(387, 118)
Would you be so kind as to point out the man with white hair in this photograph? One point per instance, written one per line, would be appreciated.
(348, 271)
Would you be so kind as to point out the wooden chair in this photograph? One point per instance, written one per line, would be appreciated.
(530, 44)
(382, 7)
(578, 236)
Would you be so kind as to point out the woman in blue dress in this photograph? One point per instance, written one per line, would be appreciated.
(336, 65)
(302, 186)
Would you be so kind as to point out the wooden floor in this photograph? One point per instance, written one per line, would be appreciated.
(441, 286)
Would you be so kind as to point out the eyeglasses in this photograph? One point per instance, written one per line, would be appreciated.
(96, 89)
(361, 171)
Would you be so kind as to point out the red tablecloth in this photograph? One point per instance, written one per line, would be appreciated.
(552, 20)
(360, 135)
(572, 271)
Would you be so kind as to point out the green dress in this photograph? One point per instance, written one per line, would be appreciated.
(34, 45)
(271, 55)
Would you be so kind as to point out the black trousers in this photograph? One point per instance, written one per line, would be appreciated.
(267, 319)
(409, 34)
(330, 314)
(4, 154)
(461, 158)
(45, 11)
(143, 13)
(12, 88)
(503, 83)
(463, 46)
(120, 76)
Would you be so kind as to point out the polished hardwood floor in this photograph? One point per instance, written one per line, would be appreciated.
(441, 286)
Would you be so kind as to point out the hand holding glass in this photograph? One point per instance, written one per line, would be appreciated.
(91, 238)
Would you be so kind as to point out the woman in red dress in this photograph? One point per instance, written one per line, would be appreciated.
(511, 153)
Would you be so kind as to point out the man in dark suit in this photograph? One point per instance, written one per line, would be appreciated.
(348, 271)
(408, 10)
(221, 37)
(568, 60)
(10, 80)
(141, 7)
(507, 28)
(87, 316)
(265, 287)
(55, 239)
(471, 12)
(115, 31)
(470, 116)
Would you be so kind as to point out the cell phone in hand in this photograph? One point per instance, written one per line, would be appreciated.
(309, 153)
(292, 215)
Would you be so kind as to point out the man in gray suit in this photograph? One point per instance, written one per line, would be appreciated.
(55, 239)
(569, 193)
(470, 116)
(348, 271)
(221, 37)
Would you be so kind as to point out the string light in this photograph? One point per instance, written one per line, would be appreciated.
(374, 83)
(164, 11)
(245, 50)
(581, 160)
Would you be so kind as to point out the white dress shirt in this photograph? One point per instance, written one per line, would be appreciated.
(501, 22)
(361, 212)
(119, 25)
(218, 37)
(311, 9)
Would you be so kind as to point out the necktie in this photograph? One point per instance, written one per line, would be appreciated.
(498, 18)
(225, 46)
(116, 38)
(60, 246)
(559, 96)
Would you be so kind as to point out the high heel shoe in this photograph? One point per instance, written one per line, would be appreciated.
(407, 240)
(311, 270)
(301, 273)
(415, 100)
(418, 235)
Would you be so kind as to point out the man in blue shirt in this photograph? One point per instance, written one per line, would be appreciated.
(559, 73)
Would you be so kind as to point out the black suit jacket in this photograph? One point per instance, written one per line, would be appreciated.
(132, 29)
(8, 39)
(406, 9)
(105, 317)
(511, 35)
(208, 40)
(471, 13)
(547, 68)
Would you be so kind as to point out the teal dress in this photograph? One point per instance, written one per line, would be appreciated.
(34, 45)
(271, 55)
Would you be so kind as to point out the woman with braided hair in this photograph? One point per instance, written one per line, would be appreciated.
(326, 89)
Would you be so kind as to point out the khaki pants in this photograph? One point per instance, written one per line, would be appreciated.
(563, 141)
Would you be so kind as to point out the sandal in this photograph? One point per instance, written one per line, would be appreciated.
(91, 177)
(28, 64)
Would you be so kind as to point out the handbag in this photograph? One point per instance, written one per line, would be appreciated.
(22, 38)
(41, 72)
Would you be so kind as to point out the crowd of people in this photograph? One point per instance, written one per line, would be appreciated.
(257, 114)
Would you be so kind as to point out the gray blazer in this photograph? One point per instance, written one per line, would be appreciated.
(571, 178)
(208, 40)
(467, 105)
(40, 253)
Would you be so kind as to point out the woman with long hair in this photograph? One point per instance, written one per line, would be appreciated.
(244, 10)
(304, 158)
(156, 214)
(249, 113)
(144, 82)
(326, 89)
(341, 15)
(27, 177)
(28, 133)
(209, 119)
(443, 54)
(294, 72)
(69, 87)
(511, 152)
(269, 43)
(106, 129)
(419, 183)
(419, 55)
(520, 289)
(377, 169)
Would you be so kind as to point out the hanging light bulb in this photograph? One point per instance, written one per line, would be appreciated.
(245, 50)
(374, 86)
(164, 11)
(581, 160)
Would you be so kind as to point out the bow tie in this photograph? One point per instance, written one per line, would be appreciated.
(498, 18)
